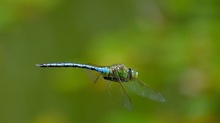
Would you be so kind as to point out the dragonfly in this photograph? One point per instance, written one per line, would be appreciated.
(117, 77)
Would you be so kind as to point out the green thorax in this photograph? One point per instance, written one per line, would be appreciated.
(119, 72)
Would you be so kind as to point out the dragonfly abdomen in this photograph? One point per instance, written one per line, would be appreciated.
(68, 65)
(90, 67)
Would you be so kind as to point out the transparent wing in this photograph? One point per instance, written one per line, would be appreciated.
(144, 90)
(93, 75)
(114, 89)
(119, 94)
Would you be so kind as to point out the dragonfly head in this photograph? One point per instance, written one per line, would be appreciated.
(133, 74)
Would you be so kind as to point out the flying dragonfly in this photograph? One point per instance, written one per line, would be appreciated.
(117, 77)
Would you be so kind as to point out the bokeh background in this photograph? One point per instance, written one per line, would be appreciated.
(173, 44)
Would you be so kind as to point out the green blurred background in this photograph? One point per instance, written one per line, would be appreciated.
(173, 44)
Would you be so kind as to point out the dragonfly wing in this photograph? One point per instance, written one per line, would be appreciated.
(144, 90)
(93, 75)
(117, 91)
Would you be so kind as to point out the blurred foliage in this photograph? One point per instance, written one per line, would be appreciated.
(173, 44)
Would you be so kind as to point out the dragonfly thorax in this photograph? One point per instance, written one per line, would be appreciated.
(120, 73)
